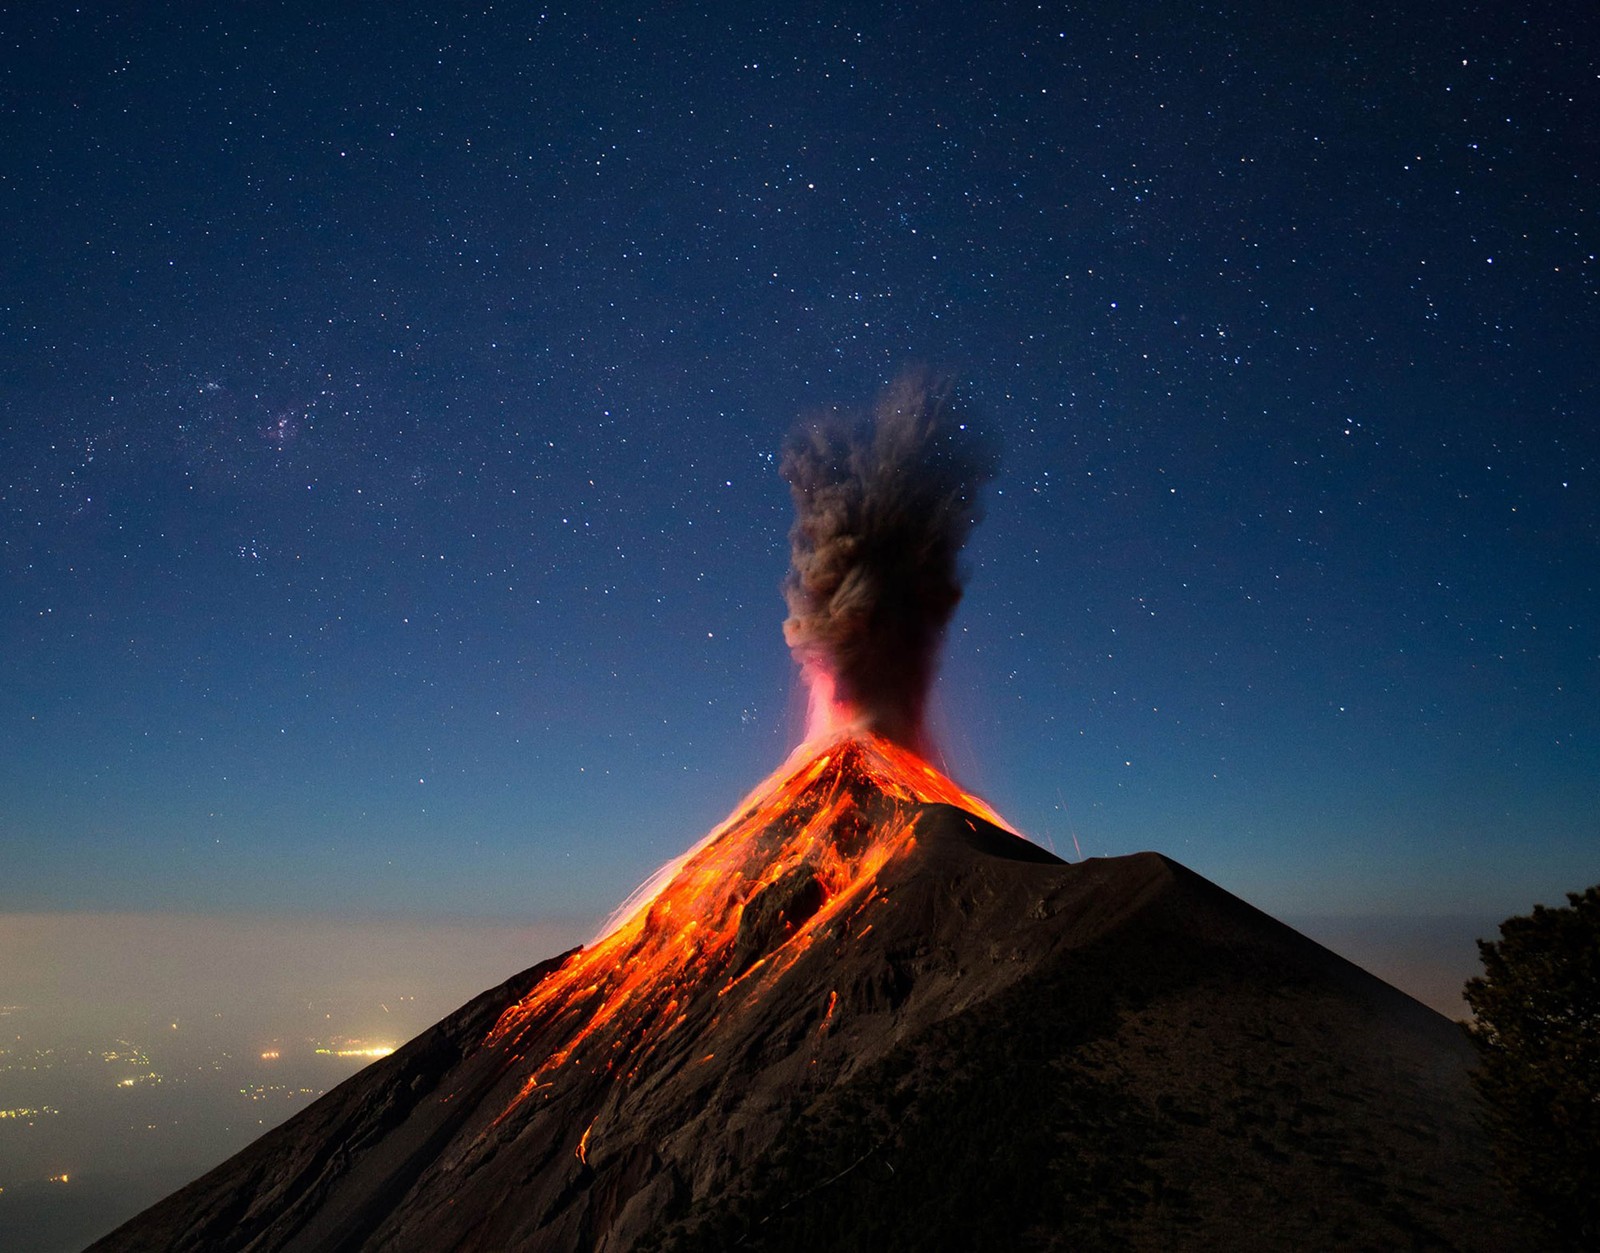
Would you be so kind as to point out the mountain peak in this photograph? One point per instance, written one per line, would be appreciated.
(862, 1015)
(801, 855)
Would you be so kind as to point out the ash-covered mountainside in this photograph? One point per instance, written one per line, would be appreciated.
(862, 1015)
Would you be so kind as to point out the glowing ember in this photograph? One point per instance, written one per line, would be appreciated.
(801, 852)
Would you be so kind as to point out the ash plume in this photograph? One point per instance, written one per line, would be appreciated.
(883, 505)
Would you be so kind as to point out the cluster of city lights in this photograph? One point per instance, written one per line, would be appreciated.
(23, 1111)
(354, 1049)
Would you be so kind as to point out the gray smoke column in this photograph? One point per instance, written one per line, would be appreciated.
(882, 508)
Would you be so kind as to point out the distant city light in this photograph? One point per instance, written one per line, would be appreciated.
(381, 1050)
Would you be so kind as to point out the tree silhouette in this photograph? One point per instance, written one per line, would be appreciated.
(1538, 1036)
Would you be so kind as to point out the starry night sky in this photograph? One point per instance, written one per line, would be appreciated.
(391, 397)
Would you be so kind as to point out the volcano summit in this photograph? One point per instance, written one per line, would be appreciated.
(864, 1015)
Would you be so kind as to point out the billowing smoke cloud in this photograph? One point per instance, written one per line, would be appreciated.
(882, 508)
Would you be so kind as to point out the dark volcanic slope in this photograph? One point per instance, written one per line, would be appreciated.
(1015, 1054)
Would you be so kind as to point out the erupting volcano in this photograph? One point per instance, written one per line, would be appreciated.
(882, 509)
(799, 860)
(863, 1013)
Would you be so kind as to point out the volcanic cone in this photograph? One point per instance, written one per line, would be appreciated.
(863, 1014)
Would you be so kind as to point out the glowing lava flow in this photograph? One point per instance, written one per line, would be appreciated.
(803, 849)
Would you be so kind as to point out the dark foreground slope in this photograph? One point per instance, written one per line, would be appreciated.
(1014, 1053)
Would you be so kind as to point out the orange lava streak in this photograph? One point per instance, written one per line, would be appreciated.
(821, 829)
